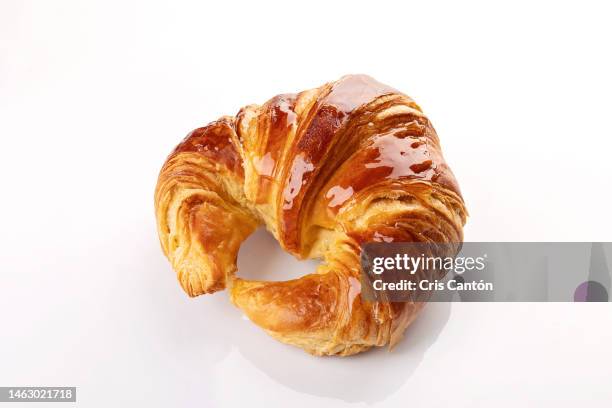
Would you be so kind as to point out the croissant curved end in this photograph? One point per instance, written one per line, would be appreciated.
(325, 171)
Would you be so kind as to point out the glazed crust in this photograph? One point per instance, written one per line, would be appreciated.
(325, 171)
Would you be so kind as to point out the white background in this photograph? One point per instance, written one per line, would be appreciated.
(94, 95)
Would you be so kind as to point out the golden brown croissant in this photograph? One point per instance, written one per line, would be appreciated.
(325, 170)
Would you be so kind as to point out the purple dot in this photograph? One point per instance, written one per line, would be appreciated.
(590, 291)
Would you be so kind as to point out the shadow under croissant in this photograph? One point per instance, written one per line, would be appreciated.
(368, 377)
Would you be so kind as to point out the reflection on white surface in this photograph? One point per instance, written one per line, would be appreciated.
(368, 377)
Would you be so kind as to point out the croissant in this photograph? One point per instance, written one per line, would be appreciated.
(325, 171)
